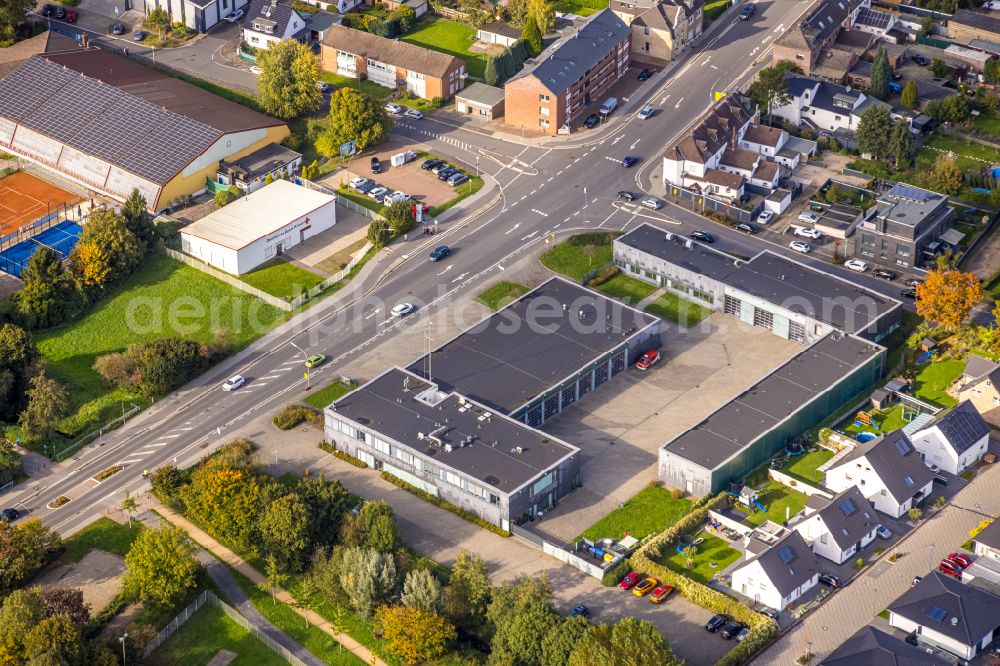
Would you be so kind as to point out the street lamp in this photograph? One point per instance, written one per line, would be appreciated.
(121, 639)
(306, 357)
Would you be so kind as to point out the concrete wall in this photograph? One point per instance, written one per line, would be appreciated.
(795, 484)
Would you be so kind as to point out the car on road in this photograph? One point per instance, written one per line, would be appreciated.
(765, 217)
(256, 70)
(60, 13)
(645, 586)
(883, 532)
(393, 108)
(743, 634)
(799, 246)
(647, 360)
(909, 293)
(717, 622)
(645, 74)
(592, 121)
(646, 112)
(439, 253)
(630, 581)
(402, 309)
(885, 274)
(629, 161)
(234, 383)
(730, 630)
(703, 236)
(920, 60)
(627, 196)
(139, 35)
(807, 232)
(856, 265)
(652, 203)
(747, 11)
(376, 165)
(430, 164)
(950, 569)
(10, 514)
(914, 283)
(414, 114)
(315, 360)
(457, 179)
(235, 16)
(439, 167)
(660, 594)
(71, 15)
(961, 559)
(117, 29)
(830, 581)
(581, 611)
(745, 228)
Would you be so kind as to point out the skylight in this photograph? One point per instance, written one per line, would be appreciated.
(786, 554)
(937, 613)
(909, 480)
(902, 446)
(847, 507)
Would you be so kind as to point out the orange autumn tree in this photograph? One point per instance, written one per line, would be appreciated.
(92, 263)
(413, 634)
(947, 296)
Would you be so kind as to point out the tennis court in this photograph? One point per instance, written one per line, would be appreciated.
(24, 198)
(62, 238)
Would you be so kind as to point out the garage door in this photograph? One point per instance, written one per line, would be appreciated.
(763, 318)
(732, 306)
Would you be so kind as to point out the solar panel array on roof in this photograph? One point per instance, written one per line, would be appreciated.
(28, 86)
(786, 554)
(904, 191)
(847, 507)
(879, 20)
(90, 98)
(118, 129)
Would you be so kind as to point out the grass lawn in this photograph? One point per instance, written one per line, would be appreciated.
(580, 7)
(627, 288)
(501, 294)
(934, 379)
(968, 155)
(325, 396)
(804, 467)
(280, 277)
(451, 37)
(338, 261)
(712, 550)
(887, 421)
(366, 86)
(676, 309)
(714, 9)
(987, 124)
(103, 533)
(651, 510)
(207, 632)
(776, 498)
(575, 261)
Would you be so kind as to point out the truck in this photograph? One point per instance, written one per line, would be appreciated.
(610, 104)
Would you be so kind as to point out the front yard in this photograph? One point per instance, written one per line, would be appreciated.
(676, 309)
(451, 37)
(280, 277)
(711, 556)
(650, 511)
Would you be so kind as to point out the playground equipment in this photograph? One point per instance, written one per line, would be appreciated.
(748, 498)
(865, 419)
(712, 527)
(686, 540)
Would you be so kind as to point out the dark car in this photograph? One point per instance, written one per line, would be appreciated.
(830, 581)
(626, 195)
(376, 165)
(117, 29)
(445, 174)
(908, 293)
(884, 273)
(730, 630)
(645, 74)
(430, 164)
(921, 60)
(48, 10)
(702, 236)
(745, 228)
(629, 161)
(457, 179)
(592, 121)
(773, 614)
(59, 12)
(439, 167)
(580, 610)
(10, 515)
(717, 622)
(440, 252)
(747, 11)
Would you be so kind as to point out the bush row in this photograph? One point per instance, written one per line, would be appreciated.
(592, 239)
(346, 457)
(292, 415)
(603, 276)
(444, 504)
(614, 574)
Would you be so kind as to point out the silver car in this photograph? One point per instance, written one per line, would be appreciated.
(652, 203)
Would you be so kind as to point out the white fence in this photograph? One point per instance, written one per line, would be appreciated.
(232, 613)
(358, 208)
(797, 484)
(229, 279)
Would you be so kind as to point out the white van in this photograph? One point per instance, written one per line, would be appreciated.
(610, 104)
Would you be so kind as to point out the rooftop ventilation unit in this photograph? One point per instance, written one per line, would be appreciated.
(448, 448)
(517, 449)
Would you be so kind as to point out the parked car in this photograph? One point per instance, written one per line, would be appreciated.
(414, 114)
(630, 581)
(439, 253)
(703, 236)
(60, 12)
(402, 309)
(646, 112)
(315, 360)
(457, 179)
(883, 532)
(48, 10)
(256, 70)
(920, 60)
(139, 35)
(660, 594)
(117, 29)
(950, 569)
(10, 514)
(765, 217)
(234, 383)
(908, 293)
(592, 121)
(647, 360)
(235, 16)
(807, 232)
(445, 174)
(629, 161)
(71, 15)
(717, 622)
(747, 11)
(644, 587)
(627, 196)
(366, 187)
(376, 165)
(439, 167)
(770, 612)
(743, 634)
(430, 164)
(378, 191)
(652, 203)
(830, 581)
(884, 273)
(645, 74)
(580, 610)
(961, 559)
(730, 630)
(856, 265)
(393, 108)
(913, 283)
(745, 228)
(799, 246)
(808, 218)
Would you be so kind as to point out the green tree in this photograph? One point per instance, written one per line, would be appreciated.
(544, 13)
(531, 35)
(22, 610)
(873, 131)
(631, 642)
(520, 614)
(900, 143)
(413, 634)
(421, 590)
(288, 78)
(405, 16)
(327, 503)
(939, 67)
(908, 98)
(770, 90)
(48, 404)
(138, 219)
(490, 75)
(158, 20)
(55, 640)
(161, 566)
(991, 70)
(368, 577)
(833, 194)
(399, 216)
(49, 295)
(945, 176)
(926, 26)
(166, 364)
(129, 506)
(355, 117)
(12, 14)
(11, 462)
(221, 199)
(24, 550)
(468, 593)
(226, 498)
(561, 639)
(379, 233)
(373, 527)
(881, 73)
(284, 531)
(955, 108)
(18, 355)
(110, 232)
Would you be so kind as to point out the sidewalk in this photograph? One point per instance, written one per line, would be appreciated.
(230, 558)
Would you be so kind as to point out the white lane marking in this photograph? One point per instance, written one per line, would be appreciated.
(755, 49)
(678, 104)
(566, 220)
(617, 139)
(186, 429)
(459, 278)
(171, 436)
(550, 178)
(780, 27)
(664, 100)
(713, 67)
(576, 213)
(535, 210)
(290, 362)
(152, 446)
(632, 147)
(511, 230)
(558, 225)
(270, 377)
(373, 313)
(705, 61)
(524, 197)
(130, 460)
(608, 218)
(530, 235)
(447, 268)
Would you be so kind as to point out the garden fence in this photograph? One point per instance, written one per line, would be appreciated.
(357, 208)
(333, 279)
(229, 279)
(96, 434)
(6, 487)
(232, 614)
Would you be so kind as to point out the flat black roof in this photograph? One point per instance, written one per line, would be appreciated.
(504, 453)
(758, 409)
(511, 357)
(680, 251)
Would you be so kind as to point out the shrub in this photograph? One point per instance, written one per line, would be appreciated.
(613, 575)
(292, 415)
(108, 472)
(444, 504)
(603, 276)
(592, 239)
(343, 455)
(676, 493)
(915, 514)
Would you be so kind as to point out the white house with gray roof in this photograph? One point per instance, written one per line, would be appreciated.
(821, 105)
(841, 528)
(780, 575)
(956, 441)
(870, 647)
(267, 22)
(888, 471)
(987, 542)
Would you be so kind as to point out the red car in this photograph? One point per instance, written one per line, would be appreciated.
(660, 593)
(648, 359)
(71, 15)
(950, 569)
(630, 581)
(960, 559)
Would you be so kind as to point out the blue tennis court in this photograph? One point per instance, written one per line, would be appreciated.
(62, 238)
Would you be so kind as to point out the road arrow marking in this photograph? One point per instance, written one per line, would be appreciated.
(460, 277)
(678, 104)
(664, 100)
(444, 271)
(512, 229)
(530, 235)
(632, 147)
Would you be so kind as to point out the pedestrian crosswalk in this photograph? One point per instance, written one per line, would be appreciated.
(440, 137)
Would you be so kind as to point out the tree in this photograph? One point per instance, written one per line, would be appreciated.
(373, 527)
(770, 90)
(24, 550)
(413, 634)
(67, 601)
(881, 73)
(368, 577)
(48, 404)
(12, 13)
(947, 296)
(405, 16)
(129, 506)
(631, 642)
(955, 108)
(544, 13)
(48, 296)
(939, 67)
(991, 70)
(276, 576)
(490, 75)
(945, 176)
(110, 231)
(400, 216)
(55, 640)
(421, 590)
(11, 462)
(138, 219)
(926, 26)
(520, 614)
(161, 566)
(165, 364)
(18, 355)
(467, 595)
(353, 117)
(379, 233)
(900, 143)
(561, 639)
(327, 503)
(908, 98)
(284, 531)
(22, 610)
(873, 131)
(221, 199)
(226, 498)
(531, 35)
(288, 78)
(92, 264)
(158, 19)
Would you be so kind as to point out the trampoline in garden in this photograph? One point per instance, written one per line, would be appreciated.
(62, 238)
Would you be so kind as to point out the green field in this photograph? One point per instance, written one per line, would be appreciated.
(934, 379)
(328, 394)
(803, 467)
(712, 550)
(580, 7)
(987, 125)
(650, 511)
(501, 294)
(968, 155)
(627, 288)
(207, 632)
(451, 37)
(887, 421)
(104, 534)
(574, 261)
(280, 277)
(371, 89)
(776, 498)
(676, 309)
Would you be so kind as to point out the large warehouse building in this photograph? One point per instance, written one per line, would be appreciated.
(461, 422)
(111, 125)
(241, 236)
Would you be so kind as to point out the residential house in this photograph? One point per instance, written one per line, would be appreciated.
(339, 6)
(823, 106)
(888, 471)
(267, 22)
(812, 42)
(780, 575)
(869, 646)
(661, 29)
(875, 22)
(481, 100)
(768, 141)
(948, 614)
(980, 385)
(498, 33)
(391, 63)
(249, 173)
(987, 542)
(966, 25)
(570, 75)
(905, 230)
(839, 528)
(956, 440)
(198, 15)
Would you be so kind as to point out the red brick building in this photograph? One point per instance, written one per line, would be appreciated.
(570, 75)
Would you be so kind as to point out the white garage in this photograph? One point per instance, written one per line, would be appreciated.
(260, 226)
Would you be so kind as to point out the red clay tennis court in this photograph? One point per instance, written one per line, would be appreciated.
(25, 198)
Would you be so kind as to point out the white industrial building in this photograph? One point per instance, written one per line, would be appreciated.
(260, 226)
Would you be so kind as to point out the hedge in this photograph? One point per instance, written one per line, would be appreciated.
(292, 415)
(444, 504)
(593, 238)
(603, 276)
(614, 574)
(346, 457)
